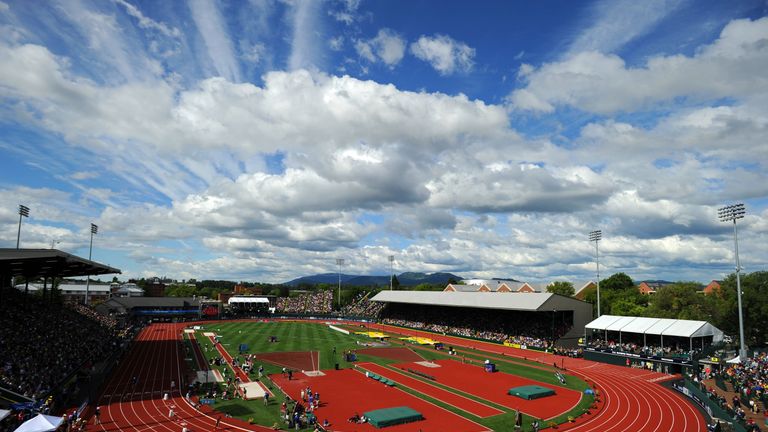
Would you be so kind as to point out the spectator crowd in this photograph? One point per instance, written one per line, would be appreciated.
(748, 401)
(673, 348)
(750, 377)
(532, 329)
(318, 302)
(42, 344)
(362, 307)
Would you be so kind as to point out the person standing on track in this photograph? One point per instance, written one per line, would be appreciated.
(97, 416)
(218, 422)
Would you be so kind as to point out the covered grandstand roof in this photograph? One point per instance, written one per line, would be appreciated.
(138, 302)
(656, 326)
(33, 263)
(483, 300)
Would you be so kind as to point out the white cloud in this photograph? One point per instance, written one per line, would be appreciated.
(306, 49)
(617, 22)
(387, 46)
(444, 54)
(84, 175)
(602, 83)
(507, 188)
(337, 43)
(272, 180)
(4, 6)
(148, 23)
(213, 30)
(102, 43)
(252, 52)
(365, 50)
(347, 13)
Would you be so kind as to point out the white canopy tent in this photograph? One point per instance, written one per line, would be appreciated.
(656, 326)
(237, 299)
(4, 413)
(41, 423)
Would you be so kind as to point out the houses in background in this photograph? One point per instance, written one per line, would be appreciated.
(512, 285)
(581, 288)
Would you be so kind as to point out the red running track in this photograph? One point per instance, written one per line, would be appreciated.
(156, 359)
(347, 391)
(473, 379)
(456, 400)
(632, 401)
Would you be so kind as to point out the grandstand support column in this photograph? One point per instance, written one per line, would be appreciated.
(596, 236)
(94, 230)
(727, 214)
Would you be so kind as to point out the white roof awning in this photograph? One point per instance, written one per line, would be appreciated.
(620, 323)
(639, 325)
(656, 326)
(602, 322)
(248, 300)
(660, 325)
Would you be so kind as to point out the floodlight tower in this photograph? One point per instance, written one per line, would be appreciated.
(391, 272)
(94, 230)
(23, 212)
(727, 214)
(339, 262)
(596, 236)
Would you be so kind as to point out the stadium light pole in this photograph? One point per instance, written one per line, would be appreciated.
(339, 262)
(596, 236)
(727, 214)
(94, 230)
(391, 272)
(23, 212)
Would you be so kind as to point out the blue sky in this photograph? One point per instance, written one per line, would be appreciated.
(260, 140)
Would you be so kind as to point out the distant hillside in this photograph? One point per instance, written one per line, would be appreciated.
(329, 278)
(405, 279)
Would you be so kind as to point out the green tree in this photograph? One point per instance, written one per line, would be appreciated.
(754, 299)
(395, 283)
(427, 287)
(627, 307)
(618, 296)
(180, 290)
(681, 300)
(617, 281)
(562, 288)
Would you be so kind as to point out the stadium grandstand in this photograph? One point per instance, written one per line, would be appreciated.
(154, 308)
(52, 355)
(531, 319)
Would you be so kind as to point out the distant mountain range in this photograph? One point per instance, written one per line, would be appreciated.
(405, 279)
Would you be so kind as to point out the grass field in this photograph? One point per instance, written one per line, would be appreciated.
(305, 336)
